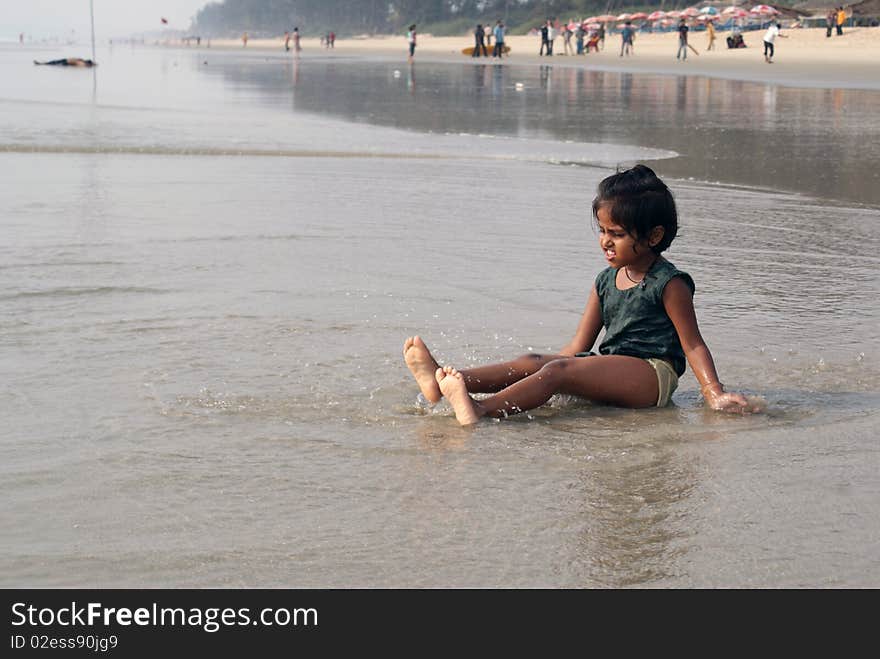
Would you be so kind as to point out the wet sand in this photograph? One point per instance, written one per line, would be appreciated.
(805, 57)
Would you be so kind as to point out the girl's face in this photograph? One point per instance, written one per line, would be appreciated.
(618, 245)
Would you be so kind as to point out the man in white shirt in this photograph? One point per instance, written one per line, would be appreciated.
(769, 39)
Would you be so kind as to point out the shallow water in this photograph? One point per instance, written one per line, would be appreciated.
(208, 275)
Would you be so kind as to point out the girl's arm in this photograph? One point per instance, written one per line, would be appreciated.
(679, 304)
(587, 329)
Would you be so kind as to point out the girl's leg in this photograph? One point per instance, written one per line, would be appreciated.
(480, 380)
(495, 377)
(613, 379)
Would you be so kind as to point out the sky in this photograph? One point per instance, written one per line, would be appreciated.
(113, 18)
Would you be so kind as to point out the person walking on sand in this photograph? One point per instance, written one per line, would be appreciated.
(566, 41)
(411, 40)
(682, 40)
(643, 302)
(480, 42)
(287, 42)
(830, 21)
(710, 30)
(579, 35)
(769, 39)
(841, 19)
(296, 45)
(498, 51)
(627, 34)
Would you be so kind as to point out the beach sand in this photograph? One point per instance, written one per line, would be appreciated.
(805, 57)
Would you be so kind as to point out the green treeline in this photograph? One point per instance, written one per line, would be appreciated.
(440, 17)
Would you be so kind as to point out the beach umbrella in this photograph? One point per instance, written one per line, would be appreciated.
(765, 10)
(708, 10)
(690, 12)
(656, 15)
(739, 13)
(673, 14)
(606, 18)
(732, 9)
(624, 17)
(638, 16)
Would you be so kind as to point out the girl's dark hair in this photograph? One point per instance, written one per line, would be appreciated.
(638, 201)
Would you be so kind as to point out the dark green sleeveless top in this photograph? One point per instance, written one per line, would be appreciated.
(636, 323)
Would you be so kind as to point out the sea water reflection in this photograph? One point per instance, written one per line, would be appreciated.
(815, 141)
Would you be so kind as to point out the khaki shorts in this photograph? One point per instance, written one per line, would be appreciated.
(667, 380)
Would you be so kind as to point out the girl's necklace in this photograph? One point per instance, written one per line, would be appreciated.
(635, 281)
(642, 280)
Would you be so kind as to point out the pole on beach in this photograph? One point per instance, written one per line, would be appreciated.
(92, 12)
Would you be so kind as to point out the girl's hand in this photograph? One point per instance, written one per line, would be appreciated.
(731, 402)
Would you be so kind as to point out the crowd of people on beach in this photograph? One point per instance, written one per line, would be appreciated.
(587, 37)
(483, 37)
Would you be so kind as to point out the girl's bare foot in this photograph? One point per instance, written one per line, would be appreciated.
(451, 384)
(422, 365)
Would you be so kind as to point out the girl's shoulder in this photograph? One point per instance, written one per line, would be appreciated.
(664, 271)
(605, 278)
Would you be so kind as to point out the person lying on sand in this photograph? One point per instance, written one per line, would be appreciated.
(67, 61)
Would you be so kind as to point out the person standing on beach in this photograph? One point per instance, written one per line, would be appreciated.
(287, 41)
(479, 42)
(579, 38)
(244, 38)
(682, 40)
(601, 34)
(411, 39)
(830, 21)
(332, 39)
(841, 19)
(545, 39)
(710, 30)
(566, 40)
(769, 39)
(296, 46)
(627, 34)
(551, 35)
(499, 40)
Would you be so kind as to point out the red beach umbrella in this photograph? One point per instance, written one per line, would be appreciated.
(656, 15)
(638, 16)
(690, 12)
(624, 17)
(766, 10)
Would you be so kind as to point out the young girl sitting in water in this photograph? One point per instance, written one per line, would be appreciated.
(642, 300)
